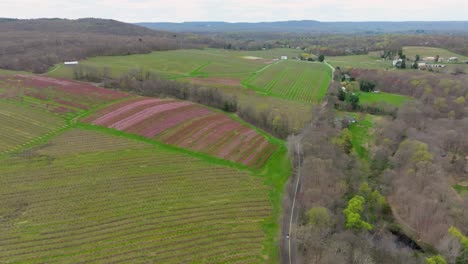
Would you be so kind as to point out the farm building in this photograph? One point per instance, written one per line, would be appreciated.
(453, 59)
(284, 57)
(71, 63)
(422, 65)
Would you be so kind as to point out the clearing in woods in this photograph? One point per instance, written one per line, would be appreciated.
(381, 97)
(90, 196)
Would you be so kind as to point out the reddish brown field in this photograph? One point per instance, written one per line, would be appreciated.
(56, 95)
(187, 125)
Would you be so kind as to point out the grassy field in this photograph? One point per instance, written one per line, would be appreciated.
(381, 97)
(271, 53)
(8, 72)
(361, 132)
(90, 197)
(175, 64)
(294, 80)
(412, 51)
(371, 61)
(21, 125)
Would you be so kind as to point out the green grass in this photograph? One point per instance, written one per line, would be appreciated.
(361, 136)
(359, 61)
(461, 188)
(272, 53)
(99, 195)
(173, 64)
(294, 80)
(9, 72)
(412, 51)
(362, 132)
(389, 98)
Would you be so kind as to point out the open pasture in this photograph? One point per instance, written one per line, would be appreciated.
(58, 96)
(85, 198)
(187, 125)
(294, 80)
(20, 125)
(412, 51)
(381, 97)
(173, 64)
(369, 61)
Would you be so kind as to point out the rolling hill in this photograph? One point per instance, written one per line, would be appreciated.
(311, 26)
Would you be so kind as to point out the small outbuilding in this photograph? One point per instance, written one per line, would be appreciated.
(422, 65)
(284, 57)
(71, 63)
(453, 59)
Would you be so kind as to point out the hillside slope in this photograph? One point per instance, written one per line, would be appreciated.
(37, 44)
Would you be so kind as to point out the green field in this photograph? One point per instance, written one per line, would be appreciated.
(294, 80)
(178, 63)
(361, 132)
(412, 51)
(90, 197)
(93, 194)
(272, 53)
(371, 61)
(302, 82)
(381, 97)
(8, 72)
(21, 125)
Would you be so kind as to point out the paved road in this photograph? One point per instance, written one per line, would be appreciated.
(288, 239)
(288, 247)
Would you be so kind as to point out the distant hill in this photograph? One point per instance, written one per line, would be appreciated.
(311, 26)
(37, 44)
(83, 25)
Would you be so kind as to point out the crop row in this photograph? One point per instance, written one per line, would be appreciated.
(132, 204)
(296, 81)
(56, 95)
(187, 125)
(20, 125)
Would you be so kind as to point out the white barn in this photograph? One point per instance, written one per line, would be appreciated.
(71, 63)
(284, 57)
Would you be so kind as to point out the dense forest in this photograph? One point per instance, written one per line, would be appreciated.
(397, 206)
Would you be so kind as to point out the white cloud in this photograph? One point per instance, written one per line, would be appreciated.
(239, 10)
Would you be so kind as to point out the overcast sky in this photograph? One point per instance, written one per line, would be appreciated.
(239, 10)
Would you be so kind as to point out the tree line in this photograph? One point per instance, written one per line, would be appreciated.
(146, 83)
